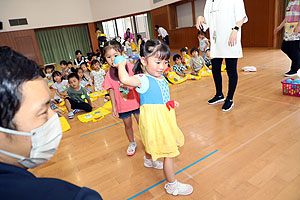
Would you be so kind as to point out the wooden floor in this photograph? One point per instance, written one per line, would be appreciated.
(255, 147)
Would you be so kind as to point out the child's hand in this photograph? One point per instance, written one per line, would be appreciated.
(115, 114)
(119, 61)
(176, 104)
(59, 111)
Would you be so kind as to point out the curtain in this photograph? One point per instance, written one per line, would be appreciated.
(61, 43)
(149, 19)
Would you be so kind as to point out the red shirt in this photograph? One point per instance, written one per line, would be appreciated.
(127, 98)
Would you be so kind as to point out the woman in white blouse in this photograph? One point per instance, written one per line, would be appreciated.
(224, 18)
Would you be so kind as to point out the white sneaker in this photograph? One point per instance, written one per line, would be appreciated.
(153, 164)
(131, 149)
(178, 188)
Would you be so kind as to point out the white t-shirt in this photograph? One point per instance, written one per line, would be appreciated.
(162, 32)
(98, 79)
(60, 87)
(127, 45)
(203, 44)
(221, 16)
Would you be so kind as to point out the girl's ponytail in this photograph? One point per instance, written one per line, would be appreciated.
(137, 69)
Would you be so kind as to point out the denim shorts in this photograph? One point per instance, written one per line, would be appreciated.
(125, 115)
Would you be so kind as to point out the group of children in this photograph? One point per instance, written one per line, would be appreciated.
(195, 62)
(140, 90)
(73, 85)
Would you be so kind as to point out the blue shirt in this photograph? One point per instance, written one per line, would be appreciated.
(17, 183)
(153, 90)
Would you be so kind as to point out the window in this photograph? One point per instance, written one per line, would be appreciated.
(109, 29)
(142, 25)
(184, 15)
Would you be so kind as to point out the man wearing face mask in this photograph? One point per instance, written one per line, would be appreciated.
(30, 133)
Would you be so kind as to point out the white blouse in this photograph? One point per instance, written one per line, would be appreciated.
(221, 16)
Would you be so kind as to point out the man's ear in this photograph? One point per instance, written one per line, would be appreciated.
(143, 61)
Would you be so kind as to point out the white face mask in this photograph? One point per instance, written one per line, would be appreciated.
(44, 140)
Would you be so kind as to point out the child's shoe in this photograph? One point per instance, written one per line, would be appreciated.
(76, 111)
(71, 115)
(153, 164)
(131, 149)
(177, 188)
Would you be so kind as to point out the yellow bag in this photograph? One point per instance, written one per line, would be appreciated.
(107, 105)
(95, 95)
(175, 78)
(133, 46)
(64, 124)
(98, 94)
(105, 67)
(62, 104)
(187, 60)
(94, 116)
(63, 108)
(193, 77)
(205, 71)
(223, 68)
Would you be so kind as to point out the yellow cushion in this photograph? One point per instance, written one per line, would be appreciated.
(93, 116)
(64, 124)
(175, 78)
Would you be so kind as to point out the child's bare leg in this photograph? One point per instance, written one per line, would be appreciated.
(137, 118)
(147, 155)
(169, 170)
(68, 105)
(128, 129)
(173, 186)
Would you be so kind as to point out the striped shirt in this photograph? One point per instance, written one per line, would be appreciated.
(292, 17)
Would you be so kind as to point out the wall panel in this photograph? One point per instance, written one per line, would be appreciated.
(23, 42)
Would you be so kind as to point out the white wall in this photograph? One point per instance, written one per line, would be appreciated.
(48, 13)
(44, 13)
(116, 8)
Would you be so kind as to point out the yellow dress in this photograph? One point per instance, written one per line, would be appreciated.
(158, 128)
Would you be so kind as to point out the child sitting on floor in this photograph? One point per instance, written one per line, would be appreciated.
(48, 70)
(64, 69)
(76, 97)
(185, 57)
(60, 87)
(178, 66)
(83, 81)
(197, 62)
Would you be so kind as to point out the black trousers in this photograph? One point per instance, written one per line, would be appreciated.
(166, 39)
(292, 50)
(83, 106)
(231, 68)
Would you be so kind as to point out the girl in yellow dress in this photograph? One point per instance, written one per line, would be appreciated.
(158, 128)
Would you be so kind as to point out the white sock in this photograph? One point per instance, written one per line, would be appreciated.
(172, 185)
